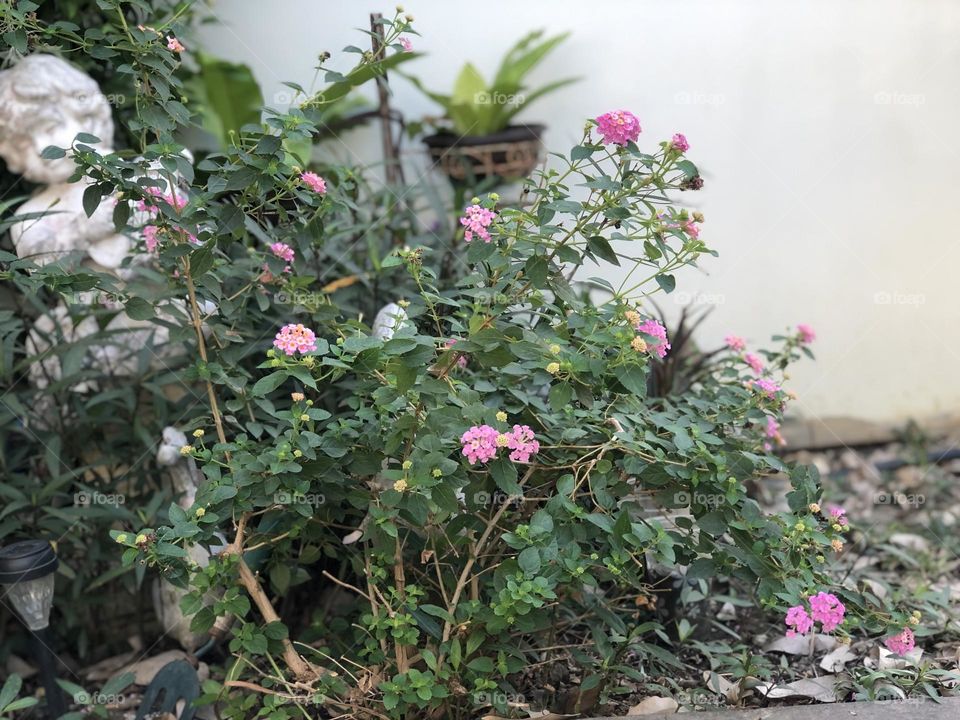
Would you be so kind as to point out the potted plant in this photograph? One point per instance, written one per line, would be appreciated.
(477, 139)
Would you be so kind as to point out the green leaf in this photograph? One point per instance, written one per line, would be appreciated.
(504, 474)
(91, 199)
(139, 309)
(666, 282)
(10, 690)
(201, 260)
(269, 383)
(600, 247)
(529, 561)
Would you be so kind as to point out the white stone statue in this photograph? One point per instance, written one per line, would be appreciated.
(47, 101)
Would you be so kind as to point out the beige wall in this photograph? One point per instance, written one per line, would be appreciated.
(826, 132)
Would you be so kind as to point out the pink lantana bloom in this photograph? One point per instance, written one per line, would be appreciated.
(618, 127)
(479, 444)
(755, 363)
(284, 252)
(476, 219)
(150, 238)
(827, 610)
(901, 643)
(679, 142)
(839, 515)
(314, 182)
(798, 621)
(657, 345)
(406, 44)
(767, 387)
(174, 45)
(735, 343)
(461, 358)
(522, 443)
(295, 338)
(807, 335)
(691, 228)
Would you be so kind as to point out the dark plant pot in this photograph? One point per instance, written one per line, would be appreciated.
(510, 154)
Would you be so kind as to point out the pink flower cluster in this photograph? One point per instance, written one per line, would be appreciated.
(618, 127)
(295, 338)
(175, 45)
(480, 443)
(901, 643)
(772, 432)
(282, 251)
(679, 142)
(754, 361)
(767, 387)
(807, 335)
(476, 219)
(314, 182)
(658, 344)
(839, 515)
(735, 343)
(522, 443)
(825, 608)
(405, 44)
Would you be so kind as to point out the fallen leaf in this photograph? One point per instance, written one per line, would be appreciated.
(836, 659)
(821, 689)
(802, 644)
(145, 670)
(653, 705)
(727, 612)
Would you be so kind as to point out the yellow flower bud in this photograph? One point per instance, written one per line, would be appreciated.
(407, 464)
(400, 485)
(200, 512)
(121, 538)
(198, 433)
(837, 545)
(502, 440)
(813, 507)
(298, 453)
(553, 368)
(555, 349)
(437, 472)
(296, 397)
(304, 417)
(639, 344)
(141, 539)
(502, 416)
(186, 449)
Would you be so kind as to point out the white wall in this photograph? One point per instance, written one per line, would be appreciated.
(825, 131)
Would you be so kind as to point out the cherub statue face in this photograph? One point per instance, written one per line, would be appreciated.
(46, 101)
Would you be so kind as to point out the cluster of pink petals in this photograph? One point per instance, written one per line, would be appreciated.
(827, 610)
(735, 342)
(807, 335)
(314, 182)
(618, 127)
(282, 251)
(767, 387)
(480, 443)
(691, 228)
(406, 44)
(824, 608)
(150, 237)
(522, 443)
(901, 643)
(173, 199)
(175, 45)
(679, 142)
(755, 363)
(657, 345)
(799, 622)
(461, 358)
(476, 219)
(295, 338)
(772, 432)
(839, 515)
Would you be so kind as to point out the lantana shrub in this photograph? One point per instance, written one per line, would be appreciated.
(488, 480)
